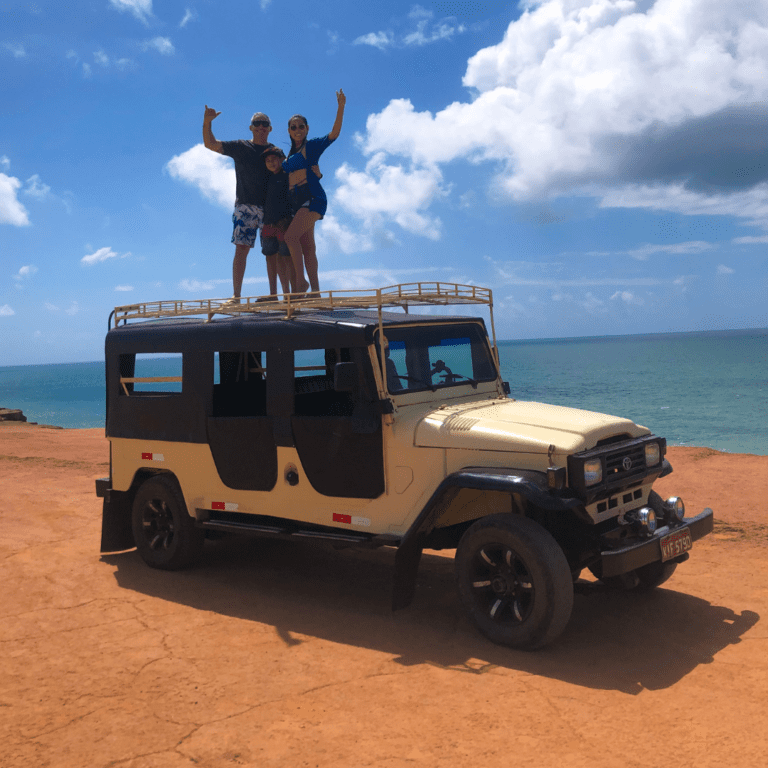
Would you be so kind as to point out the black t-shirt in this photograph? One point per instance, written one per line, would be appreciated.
(251, 173)
(277, 205)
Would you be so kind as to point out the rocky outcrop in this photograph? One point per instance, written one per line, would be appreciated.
(11, 414)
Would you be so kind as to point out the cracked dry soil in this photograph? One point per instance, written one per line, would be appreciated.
(280, 654)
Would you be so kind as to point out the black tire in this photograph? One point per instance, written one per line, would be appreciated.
(514, 581)
(165, 535)
(653, 575)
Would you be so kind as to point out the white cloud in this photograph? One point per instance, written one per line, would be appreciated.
(371, 277)
(751, 240)
(750, 205)
(87, 71)
(627, 297)
(162, 45)
(380, 40)
(141, 9)
(425, 32)
(198, 286)
(101, 58)
(335, 236)
(6, 311)
(15, 49)
(674, 249)
(723, 270)
(5, 162)
(189, 15)
(35, 188)
(11, 210)
(391, 192)
(605, 98)
(212, 173)
(73, 309)
(123, 287)
(102, 254)
(25, 273)
(51, 307)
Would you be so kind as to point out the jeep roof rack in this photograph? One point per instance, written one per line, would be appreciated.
(404, 295)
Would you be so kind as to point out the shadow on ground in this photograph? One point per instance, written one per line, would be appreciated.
(614, 641)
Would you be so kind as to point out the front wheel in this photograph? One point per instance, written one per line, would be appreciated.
(165, 535)
(514, 581)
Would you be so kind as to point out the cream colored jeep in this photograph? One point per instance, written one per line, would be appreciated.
(346, 419)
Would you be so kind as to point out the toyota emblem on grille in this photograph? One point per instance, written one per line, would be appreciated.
(627, 463)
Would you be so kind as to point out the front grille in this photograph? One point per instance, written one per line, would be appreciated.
(625, 463)
(623, 467)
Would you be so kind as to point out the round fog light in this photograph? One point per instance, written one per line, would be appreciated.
(647, 518)
(674, 507)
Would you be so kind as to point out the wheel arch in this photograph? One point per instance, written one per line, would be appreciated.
(116, 532)
(527, 489)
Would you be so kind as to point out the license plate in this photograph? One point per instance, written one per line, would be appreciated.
(675, 544)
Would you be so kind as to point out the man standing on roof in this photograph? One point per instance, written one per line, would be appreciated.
(252, 176)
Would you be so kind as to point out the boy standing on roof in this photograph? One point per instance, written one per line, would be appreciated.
(252, 176)
(277, 217)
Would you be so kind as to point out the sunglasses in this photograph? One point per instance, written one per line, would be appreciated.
(260, 124)
(297, 127)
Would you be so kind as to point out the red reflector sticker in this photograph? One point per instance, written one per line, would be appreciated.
(146, 457)
(218, 505)
(337, 518)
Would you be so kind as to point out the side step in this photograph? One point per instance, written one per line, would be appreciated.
(253, 525)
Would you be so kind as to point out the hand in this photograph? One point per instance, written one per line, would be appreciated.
(341, 98)
(210, 113)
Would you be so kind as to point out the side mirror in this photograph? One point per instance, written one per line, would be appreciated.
(505, 385)
(344, 377)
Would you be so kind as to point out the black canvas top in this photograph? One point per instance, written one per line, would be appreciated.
(308, 330)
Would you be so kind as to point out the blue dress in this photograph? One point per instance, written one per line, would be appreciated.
(312, 192)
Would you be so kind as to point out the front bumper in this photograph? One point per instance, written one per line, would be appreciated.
(615, 562)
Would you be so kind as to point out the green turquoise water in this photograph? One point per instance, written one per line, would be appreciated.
(705, 389)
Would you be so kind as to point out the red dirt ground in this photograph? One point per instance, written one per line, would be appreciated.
(281, 654)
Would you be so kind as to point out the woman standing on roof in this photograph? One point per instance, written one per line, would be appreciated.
(308, 201)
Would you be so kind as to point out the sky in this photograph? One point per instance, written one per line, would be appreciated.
(602, 165)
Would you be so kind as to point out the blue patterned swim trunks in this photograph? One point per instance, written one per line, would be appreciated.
(246, 219)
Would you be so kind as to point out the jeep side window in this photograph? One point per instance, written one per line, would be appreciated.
(150, 374)
(313, 383)
(240, 386)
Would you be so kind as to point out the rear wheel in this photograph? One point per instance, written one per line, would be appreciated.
(165, 535)
(514, 581)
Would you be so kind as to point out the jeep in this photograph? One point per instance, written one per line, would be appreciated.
(345, 418)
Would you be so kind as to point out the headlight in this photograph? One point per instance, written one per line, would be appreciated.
(674, 508)
(652, 454)
(647, 518)
(593, 471)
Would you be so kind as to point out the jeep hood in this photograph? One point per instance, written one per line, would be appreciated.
(522, 427)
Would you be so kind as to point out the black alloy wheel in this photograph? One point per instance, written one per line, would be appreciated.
(165, 535)
(514, 581)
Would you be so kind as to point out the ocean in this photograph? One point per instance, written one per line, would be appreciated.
(707, 389)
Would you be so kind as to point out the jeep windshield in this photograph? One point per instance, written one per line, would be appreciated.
(428, 357)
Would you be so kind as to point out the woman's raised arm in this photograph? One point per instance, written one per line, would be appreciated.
(336, 130)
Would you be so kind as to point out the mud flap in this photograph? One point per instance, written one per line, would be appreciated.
(116, 533)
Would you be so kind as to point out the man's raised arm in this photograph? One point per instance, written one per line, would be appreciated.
(209, 139)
